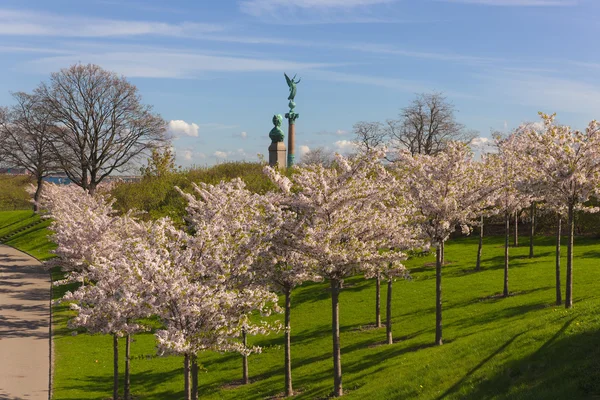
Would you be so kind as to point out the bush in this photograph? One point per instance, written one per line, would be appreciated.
(13, 193)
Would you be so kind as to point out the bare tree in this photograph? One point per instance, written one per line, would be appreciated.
(25, 139)
(427, 125)
(104, 125)
(370, 135)
(318, 155)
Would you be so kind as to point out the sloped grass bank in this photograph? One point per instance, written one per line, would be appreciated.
(521, 347)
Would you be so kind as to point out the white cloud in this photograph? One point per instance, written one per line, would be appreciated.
(341, 132)
(480, 141)
(303, 150)
(30, 23)
(270, 7)
(220, 154)
(517, 3)
(243, 135)
(345, 146)
(187, 155)
(180, 128)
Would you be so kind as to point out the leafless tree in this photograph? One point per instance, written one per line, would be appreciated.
(26, 129)
(318, 155)
(103, 124)
(427, 125)
(370, 135)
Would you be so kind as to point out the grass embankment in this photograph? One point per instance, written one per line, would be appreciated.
(521, 347)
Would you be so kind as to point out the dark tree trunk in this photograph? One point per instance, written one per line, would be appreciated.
(516, 243)
(506, 240)
(289, 391)
(532, 232)
(480, 248)
(558, 292)
(378, 301)
(126, 386)
(244, 359)
(115, 367)
(194, 377)
(186, 377)
(36, 196)
(388, 316)
(439, 261)
(335, 331)
(569, 283)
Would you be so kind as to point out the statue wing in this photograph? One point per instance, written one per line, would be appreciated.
(287, 78)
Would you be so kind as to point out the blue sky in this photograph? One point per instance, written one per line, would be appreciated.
(215, 67)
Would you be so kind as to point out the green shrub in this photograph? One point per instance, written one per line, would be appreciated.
(13, 194)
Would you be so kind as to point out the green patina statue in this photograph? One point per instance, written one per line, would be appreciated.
(292, 85)
(276, 133)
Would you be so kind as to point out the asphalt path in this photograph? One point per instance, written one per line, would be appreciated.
(24, 327)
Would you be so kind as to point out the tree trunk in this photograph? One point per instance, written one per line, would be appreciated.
(506, 240)
(378, 301)
(558, 292)
(115, 367)
(516, 243)
(186, 377)
(244, 359)
(126, 386)
(439, 261)
(36, 196)
(289, 391)
(480, 248)
(532, 232)
(194, 377)
(335, 330)
(569, 285)
(388, 316)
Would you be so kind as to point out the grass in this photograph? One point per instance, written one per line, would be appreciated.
(520, 347)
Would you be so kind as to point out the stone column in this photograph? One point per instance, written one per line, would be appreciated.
(291, 117)
(277, 147)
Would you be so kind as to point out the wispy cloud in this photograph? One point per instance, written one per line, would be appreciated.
(545, 92)
(271, 7)
(165, 64)
(32, 23)
(517, 3)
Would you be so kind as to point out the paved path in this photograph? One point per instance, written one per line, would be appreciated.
(24, 327)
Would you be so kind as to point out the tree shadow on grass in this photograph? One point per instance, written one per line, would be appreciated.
(566, 367)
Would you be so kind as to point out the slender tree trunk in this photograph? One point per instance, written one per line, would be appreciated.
(439, 261)
(532, 232)
(558, 292)
(569, 285)
(289, 391)
(126, 386)
(516, 243)
(115, 367)
(244, 359)
(388, 316)
(480, 248)
(335, 331)
(506, 240)
(194, 377)
(378, 301)
(36, 196)
(186, 377)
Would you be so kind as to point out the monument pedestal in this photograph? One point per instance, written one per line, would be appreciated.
(277, 155)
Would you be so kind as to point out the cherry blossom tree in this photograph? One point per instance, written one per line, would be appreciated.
(446, 190)
(345, 223)
(568, 172)
(89, 238)
(511, 198)
(232, 227)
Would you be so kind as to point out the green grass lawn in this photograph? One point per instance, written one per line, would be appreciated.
(521, 347)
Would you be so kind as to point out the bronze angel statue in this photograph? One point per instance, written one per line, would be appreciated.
(292, 85)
